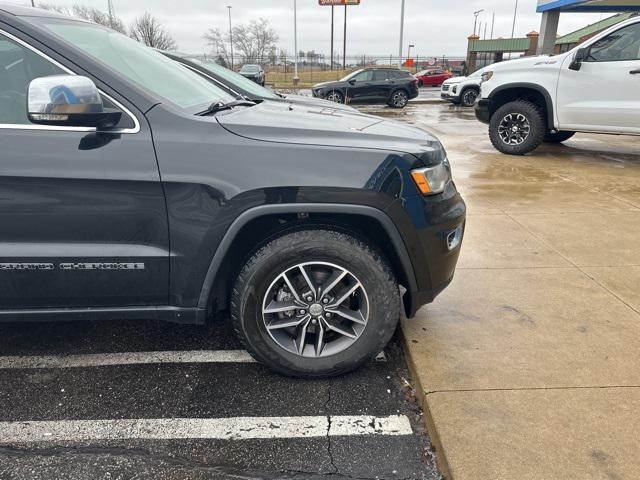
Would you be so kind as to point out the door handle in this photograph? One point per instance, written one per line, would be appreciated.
(635, 72)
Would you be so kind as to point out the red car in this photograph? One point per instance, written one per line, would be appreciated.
(432, 78)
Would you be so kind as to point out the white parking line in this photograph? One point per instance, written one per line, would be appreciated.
(236, 428)
(127, 358)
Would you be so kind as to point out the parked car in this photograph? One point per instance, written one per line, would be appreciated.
(432, 78)
(241, 87)
(462, 90)
(371, 85)
(132, 187)
(255, 73)
(592, 88)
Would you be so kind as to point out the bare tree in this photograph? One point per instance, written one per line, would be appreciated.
(88, 13)
(253, 41)
(100, 17)
(147, 29)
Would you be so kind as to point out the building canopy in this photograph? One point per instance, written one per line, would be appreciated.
(589, 5)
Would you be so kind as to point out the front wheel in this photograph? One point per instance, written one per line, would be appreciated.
(399, 99)
(469, 96)
(517, 128)
(558, 137)
(335, 96)
(315, 303)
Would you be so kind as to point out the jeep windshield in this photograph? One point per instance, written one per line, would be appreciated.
(149, 69)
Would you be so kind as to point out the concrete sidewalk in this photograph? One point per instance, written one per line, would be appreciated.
(528, 365)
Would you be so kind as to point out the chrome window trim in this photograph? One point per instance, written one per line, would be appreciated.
(19, 126)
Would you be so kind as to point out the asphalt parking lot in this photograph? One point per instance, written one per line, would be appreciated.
(103, 374)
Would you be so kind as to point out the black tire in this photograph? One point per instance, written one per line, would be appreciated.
(335, 96)
(315, 245)
(468, 97)
(527, 115)
(558, 137)
(399, 98)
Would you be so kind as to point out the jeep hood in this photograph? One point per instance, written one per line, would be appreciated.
(328, 126)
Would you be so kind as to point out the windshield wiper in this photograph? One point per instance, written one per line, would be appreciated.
(219, 106)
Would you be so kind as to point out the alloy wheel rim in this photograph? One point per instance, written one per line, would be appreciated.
(315, 309)
(334, 97)
(514, 129)
(400, 99)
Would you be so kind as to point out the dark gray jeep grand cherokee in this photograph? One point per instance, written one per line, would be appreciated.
(132, 187)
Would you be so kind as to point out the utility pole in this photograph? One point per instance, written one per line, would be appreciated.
(332, 18)
(515, 13)
(111, 12)
(401, 35)
(33, 3)
(230, 37)
(493, 22)
(344, 47)
(296, 78)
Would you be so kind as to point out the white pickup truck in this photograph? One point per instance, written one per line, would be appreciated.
(593, 88)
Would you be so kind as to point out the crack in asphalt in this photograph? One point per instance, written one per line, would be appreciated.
(326, 409)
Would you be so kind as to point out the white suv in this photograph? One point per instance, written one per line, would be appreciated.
(462, 90)
(593, 88)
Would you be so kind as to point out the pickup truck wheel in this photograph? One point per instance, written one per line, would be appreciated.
(517, 128)
(315, 303)
(468, 97)
(558, 137)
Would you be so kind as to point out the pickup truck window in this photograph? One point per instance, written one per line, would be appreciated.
(621, 45)
(149, 69)
(18, 66)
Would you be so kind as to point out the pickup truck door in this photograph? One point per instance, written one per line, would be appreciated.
(604, 94)
(83, 214)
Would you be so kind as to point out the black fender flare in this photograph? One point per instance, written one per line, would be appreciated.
(264, 210)
(531, 86)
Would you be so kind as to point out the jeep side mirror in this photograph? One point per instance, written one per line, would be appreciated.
(580, 55)
(70, 101)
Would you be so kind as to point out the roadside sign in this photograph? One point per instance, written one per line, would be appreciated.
(334, 3)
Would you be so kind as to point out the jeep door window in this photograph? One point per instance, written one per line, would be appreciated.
(621, 45)
(147, 68)
(18, 66)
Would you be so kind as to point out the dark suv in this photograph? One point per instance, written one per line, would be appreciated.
(131, 187)
(253, 73)
(371, 85)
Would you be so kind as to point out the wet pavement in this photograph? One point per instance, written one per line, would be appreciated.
(528, 363)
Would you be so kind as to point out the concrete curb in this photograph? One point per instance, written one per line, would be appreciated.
(441, 459)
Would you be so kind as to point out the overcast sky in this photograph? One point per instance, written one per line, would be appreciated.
(436, 27)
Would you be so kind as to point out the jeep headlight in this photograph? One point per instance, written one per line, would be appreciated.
(432, 180)
(486, 76)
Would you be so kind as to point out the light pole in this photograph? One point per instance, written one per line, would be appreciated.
(230, 36)
(475, 20)
(401, 34)
(296, 78)
(515, 13)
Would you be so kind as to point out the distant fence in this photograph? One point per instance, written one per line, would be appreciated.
(318, 68)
